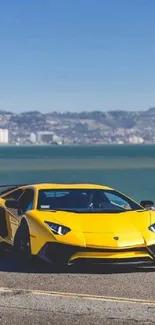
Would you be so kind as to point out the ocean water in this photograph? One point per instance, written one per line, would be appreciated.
(129, 168)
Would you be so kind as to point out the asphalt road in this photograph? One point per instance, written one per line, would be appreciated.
(39, 294)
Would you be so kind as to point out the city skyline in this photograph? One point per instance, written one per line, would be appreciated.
(81, 56)
(98, 127)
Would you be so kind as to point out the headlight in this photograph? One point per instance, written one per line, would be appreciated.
(58, 229)
(152, 227)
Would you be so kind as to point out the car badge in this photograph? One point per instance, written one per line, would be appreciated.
(116, 238)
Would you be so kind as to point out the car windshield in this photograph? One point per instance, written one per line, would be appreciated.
(85, 200)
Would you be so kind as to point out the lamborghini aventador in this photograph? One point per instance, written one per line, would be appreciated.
(77, 223)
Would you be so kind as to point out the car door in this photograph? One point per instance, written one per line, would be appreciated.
(25, 198)
(11, 215)
(25, 202)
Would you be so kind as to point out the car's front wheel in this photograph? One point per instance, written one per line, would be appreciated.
(22, 245)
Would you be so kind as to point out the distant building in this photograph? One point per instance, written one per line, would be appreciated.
(4, 136)
(136, 140)
(44, 137)
(33, 138)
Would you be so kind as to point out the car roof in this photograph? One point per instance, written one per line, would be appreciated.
(66, 186)
(48, 186)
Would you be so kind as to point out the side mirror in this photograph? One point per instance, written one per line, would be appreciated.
(147, 204)
(12, 204)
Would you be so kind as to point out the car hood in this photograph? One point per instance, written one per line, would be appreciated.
(129, 221)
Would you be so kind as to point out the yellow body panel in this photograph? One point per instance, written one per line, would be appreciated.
(117, 255)
(88, 230)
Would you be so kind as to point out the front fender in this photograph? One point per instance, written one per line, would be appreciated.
(40, 234)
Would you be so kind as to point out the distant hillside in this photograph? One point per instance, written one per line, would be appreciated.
(74, 126)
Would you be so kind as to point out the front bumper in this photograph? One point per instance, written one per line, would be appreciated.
(56, 253)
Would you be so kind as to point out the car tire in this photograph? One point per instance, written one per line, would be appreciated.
(22, 245)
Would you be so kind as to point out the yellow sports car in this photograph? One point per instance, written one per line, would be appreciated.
(72, 223)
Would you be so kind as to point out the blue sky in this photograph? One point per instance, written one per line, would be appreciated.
(77, 55)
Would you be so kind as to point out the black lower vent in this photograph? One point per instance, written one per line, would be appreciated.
(152, 249)
(60, 252)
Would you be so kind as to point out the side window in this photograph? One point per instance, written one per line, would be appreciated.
(15, 195)
(26, 201)
(116, 199)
